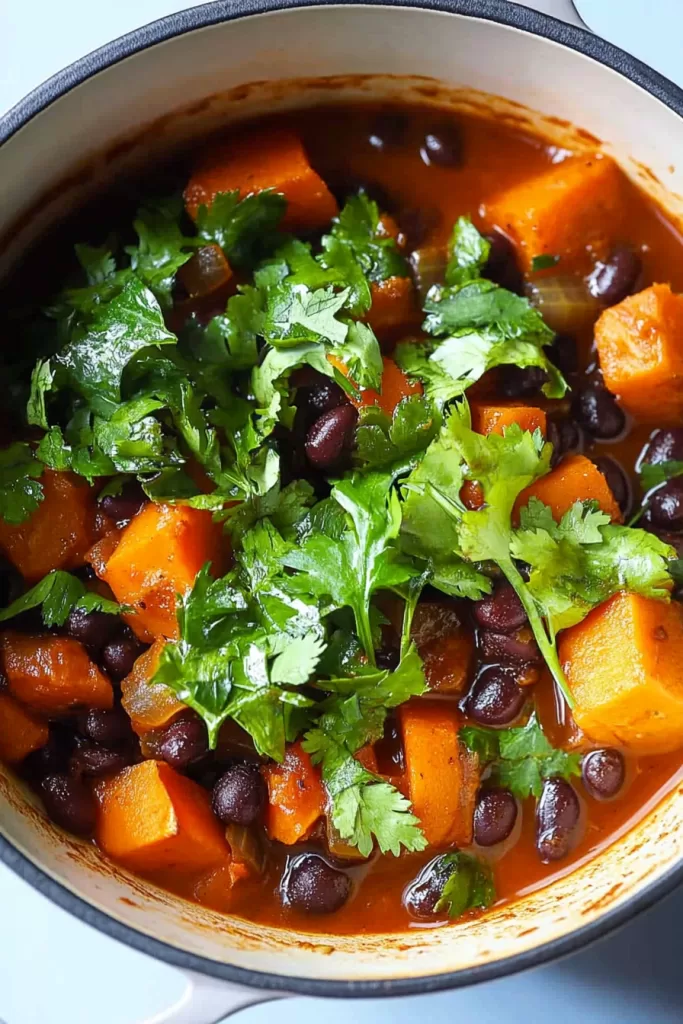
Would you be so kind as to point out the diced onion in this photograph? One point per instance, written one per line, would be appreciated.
(205, 271)
(564, 302)
(428, 266)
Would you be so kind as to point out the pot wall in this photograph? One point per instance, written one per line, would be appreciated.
(203, 75)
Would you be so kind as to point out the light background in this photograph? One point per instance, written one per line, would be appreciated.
(55, 970)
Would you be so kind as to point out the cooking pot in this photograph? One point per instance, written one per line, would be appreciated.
(159, 87)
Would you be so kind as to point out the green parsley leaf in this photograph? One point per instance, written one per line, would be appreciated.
(653, 474)
(245, 229)
(20, 490)
(97, 262)
(520, 758)
(468, 252)
(384, 441)
(162, 249)
(296, 314)
(544, 262)
(59, 593)
(469, 885)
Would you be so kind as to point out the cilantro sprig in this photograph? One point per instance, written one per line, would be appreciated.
(57, 595)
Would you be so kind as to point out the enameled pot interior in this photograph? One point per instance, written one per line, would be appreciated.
(171, 92)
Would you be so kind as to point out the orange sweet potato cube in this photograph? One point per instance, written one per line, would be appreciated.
(272, 159)
(151, 818)
(158, 557)
(296, 798)
(640, 345)
(623, 665)
(52, 674)
(443, 776)
(575, 478)
(20, 732)
(149, 705)
(58, 534)
(494, 419)
(563, 211)
(393, 306)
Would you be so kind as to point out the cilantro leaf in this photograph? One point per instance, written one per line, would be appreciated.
(652, 474)
(469, 885)
(295, 665)
(347, 570)
(59, 593)
(296, 314)
(162, 248)
(544, 261)
(384, 441)
(97, 262)
(98, 354)
(520, 758)
(245, 229)
(468, 252)
(20, 490)
(583, 560)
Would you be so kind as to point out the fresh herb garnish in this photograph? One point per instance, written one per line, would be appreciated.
(544, 261)
(521, 758)
(59, 593)
(20, 489)
(468, 887)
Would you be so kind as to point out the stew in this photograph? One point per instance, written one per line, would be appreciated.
(341, 505)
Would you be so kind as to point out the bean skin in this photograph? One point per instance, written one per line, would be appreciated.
(313, 886)
(443, 146)
(665, 446)
(110, 728)
(558, 814)
(596, 410)
(320, 398)
(388, 131)
(90, 759)
(603, 773)
(92, 629)
(616, 278)
(69, 803)
(496, 699)
(183, 742)
(330, 436)
(565, 437)
(122, 507)
(522, 381)
(422, 895)
(501, 611)
(240, 795)
(564, 353)
(519, 647)
(120, 654)
(495, 816)
(502, 266)
(665, 507)
(617, 480)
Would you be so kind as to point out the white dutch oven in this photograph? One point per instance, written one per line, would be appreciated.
(179, 77)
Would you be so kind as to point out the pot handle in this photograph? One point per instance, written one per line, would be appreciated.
(209, 1001)
(563, 10)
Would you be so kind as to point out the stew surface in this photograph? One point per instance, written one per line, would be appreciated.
(341, 505)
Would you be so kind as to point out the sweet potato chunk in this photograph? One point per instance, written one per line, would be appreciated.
(393, 306)
(623, 664)
(264, 160)
(20, 732)
(52, 674)
(576, 478)
(494, 419)
(443, 776)
(564, 210)
(445, 645)
(159, 555)
(149, 705)
(151, 819)
(640, 344)
(395, 387)
(296, 798)
(59, 532)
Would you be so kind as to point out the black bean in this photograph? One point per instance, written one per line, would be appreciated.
(665, 508)
(53, 757)
(388, 130)
(522, 381)
(617, 480)
(502, 266)
(443, 145)
(313, 886)
(502, 611)
(416, 224)
(495, 699)
(11, 584)
(240, 795)
(69, 803)
(319, 399)
(596, 410)
(91, 759)
(123, 506)
(183, 742)
(92, 629)
(557, 819)
(422, 895)
(388, 657)
(110, 728)
(564, 353)
(665, 446)
(494, 816)
(331, 436)
(120, 654)
(510, 648)
(613, 280)
(603, 772)
(565, 436)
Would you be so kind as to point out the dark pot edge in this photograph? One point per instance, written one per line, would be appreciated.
(499, 11)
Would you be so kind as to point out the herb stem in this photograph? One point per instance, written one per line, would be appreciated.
(547, 647)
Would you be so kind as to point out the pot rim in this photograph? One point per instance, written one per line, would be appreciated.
(38, 100)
